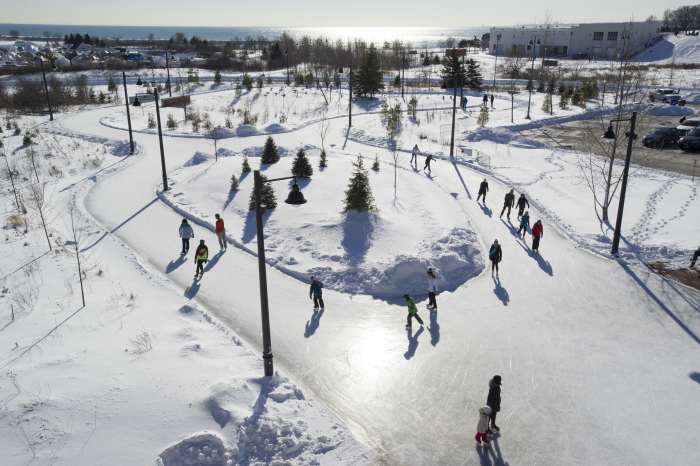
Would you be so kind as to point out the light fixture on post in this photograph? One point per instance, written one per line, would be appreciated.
(532, 44)
(295, 198)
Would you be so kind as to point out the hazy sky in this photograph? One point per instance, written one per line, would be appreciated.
(445, 13)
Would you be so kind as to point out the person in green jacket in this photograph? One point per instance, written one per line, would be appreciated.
(412, 311)
(201, 256)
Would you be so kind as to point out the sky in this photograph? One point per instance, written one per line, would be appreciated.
(443, 13)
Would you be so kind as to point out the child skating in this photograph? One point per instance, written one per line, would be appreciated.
(482, 427)
(412, 311)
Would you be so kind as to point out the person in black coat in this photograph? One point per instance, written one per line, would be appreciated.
(493, 400)
(508, 203)
(483, 189)
(695, 258)
(522, 202)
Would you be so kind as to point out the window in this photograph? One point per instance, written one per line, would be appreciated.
(598, 35)
(612, 35)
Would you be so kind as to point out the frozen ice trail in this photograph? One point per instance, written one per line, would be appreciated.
(579, 340)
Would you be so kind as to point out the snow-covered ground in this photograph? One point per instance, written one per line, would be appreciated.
(601, 351)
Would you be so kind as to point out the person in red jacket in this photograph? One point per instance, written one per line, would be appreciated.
(220, 232)
(537, 233)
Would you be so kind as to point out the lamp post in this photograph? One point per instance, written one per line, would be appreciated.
(533, 42)
(286, 56)
(295, 198)
(350, 97)
(160, 141)
(455, 78)
(128, 115)
(46, 87)
(498, 39)
(631, 136)
(167, 68)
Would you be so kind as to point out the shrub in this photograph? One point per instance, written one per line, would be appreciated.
(323, 163)
(246, 165)
(234, 184)
(171, 123)
(151, 121)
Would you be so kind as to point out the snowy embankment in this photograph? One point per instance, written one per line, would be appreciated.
(678, 49)
(140, 371)
(383, 254)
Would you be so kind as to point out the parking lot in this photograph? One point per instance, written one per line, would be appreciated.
(586, 135)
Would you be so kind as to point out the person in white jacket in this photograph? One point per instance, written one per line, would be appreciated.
(186, 233)
(482, 427)
(432, 289)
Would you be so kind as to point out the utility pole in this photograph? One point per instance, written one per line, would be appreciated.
(533, 43)
(160, 141)
(403, 73)
(350, 98)
(128, 116)
(167, 68)
(46, 88)
(623, 189)
(498, 40)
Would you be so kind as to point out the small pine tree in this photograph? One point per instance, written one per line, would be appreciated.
(151, 121)
(217, 77)
(323, 163)
(301, 166)
(358, 196)
(246, 166)
(375, 165)
(171, 123)
(474, 78)
(111, 85)
(397, 81)
(270, 154)
(228, 123)
(259, 81)
(547, 103)
(247, 82)
(267, 197)
(483, 116)
(563, 101)
(234, 184)
(27, 139)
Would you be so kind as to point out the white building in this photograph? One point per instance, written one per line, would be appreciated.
(595, 40)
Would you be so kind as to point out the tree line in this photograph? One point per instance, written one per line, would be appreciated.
(682, 19)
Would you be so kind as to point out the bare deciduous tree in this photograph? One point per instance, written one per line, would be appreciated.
(37, 194)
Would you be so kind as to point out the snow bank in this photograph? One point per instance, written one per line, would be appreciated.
(502, 136)
(275, 128)
(197, 159)
(670, 110)
(224, 152)
(246, 130)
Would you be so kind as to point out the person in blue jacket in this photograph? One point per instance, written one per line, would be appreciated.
(316, 292)
(524, 223)
(186, 234)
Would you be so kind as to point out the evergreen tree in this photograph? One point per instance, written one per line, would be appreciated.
(323, 163)
(270, 154)
(247, 82)
(171, 123)
(151, 121)
(246, 166)
(111, 85)
(483, 116)
(453, 72)
(267, 197)
(547, 103)
(234, 184)
(358, 196)
(301, 166)
(217, 77)
(474, 78)
(563, 101)
(375, 165)
(368, 80)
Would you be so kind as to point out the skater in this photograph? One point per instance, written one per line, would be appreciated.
(201, 256)
(186, 233)
(412, 311)
(483, 189)
(537, 233)
(428, 159)
(220, 232)
(493, 400)
(316, 292)
(482, 427)
(508, 202)
(695, 258)
(495, 255)
(414, 155)
(522, 202)
(492, 98)
(485, 99)
(524, 223)
(432, 289)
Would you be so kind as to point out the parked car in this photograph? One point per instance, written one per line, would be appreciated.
(661, 137)
(687, 124)
(674, 99)
(691, 141)
(662, 95)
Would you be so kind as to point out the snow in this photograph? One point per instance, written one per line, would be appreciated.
(676, 49)
(582, 340)
(670, 110)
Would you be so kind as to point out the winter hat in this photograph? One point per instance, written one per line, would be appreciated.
(201, 241)
(497, 379)
(495, 241)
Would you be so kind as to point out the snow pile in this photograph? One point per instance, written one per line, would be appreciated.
(670, 110)
(502, 136)
(275, 128)
(246, 130)
(221, 132)
(224, 152)
(262, 426)
(197, 159)
(692, 98)
(383, 254)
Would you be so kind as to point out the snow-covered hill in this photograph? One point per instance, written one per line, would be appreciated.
(677, 49)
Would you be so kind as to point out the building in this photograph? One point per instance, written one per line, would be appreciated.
(593, 40)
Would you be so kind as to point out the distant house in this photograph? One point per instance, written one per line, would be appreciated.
(594, 40)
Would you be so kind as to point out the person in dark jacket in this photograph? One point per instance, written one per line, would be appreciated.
(186, 234)
(414, 155)
(508, 202)
(493, 400)
(483, 189)
(492, 98)
(522, 202)
(695, 258)
(485, 99)
(201, 256)
(524, 224)
(316, 292)
(428, 159)
(495, 255)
